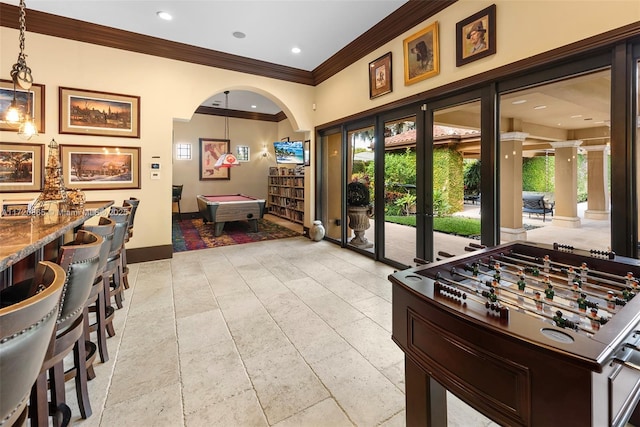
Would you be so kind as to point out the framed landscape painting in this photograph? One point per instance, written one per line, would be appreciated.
(476, 36)
(88, 112)
(20, 167)
(32, 99)
(210, 152)
(88, 167)
(421, 55)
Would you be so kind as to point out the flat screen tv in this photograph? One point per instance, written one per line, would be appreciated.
(289, 152)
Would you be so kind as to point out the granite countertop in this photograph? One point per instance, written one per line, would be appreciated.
(21, 237)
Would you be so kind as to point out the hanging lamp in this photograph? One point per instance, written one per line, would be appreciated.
(226, 160)
(17, 115)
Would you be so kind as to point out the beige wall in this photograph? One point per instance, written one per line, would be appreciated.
(172, 90)
(524, 28)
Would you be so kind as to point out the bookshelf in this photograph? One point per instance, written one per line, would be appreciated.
(286, 194)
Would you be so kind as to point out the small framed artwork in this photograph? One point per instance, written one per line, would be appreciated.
(243, 153)
(421, 55)
(88, 167)
(20, 167)
(88, 112)
(307, 153)
(380, 76)
(210, 152)
(31, 100)
(476, 36)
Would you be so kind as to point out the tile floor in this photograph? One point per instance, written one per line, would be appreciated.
(280, 333)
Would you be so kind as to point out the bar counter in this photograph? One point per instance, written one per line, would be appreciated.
(21, 237)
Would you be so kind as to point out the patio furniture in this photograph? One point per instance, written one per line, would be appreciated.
(535, 204)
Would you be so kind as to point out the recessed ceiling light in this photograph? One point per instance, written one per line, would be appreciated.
(520, 101)
(576, 116)
(239, 34)
(164, 15)
(296, 50)
(539, 107)
(254, 106)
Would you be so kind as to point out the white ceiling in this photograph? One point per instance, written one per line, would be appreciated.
(320, 28)
(272, 27)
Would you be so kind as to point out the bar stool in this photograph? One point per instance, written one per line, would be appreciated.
(80, 260)
(114, 270)
(97, 301)
(132, 203)
(26, 329)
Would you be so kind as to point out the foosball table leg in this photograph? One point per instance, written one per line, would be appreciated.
(426, 399)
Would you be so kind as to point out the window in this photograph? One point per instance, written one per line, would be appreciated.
(183, 151)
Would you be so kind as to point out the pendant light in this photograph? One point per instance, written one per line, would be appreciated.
(226, 160)
(17, 115)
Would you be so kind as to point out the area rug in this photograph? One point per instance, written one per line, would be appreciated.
(192, 234)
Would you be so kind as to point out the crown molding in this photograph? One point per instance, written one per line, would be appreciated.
(404, 18)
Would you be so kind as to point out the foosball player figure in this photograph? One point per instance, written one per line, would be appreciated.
(576, 284)
(562, 322)
(571, 273)
(582, 302)
(536, 296)
(522, 283)
(546, 262)
(583, 272)
(497, 269)
(628, 294)
(632, 282)
(611, 300)
(549, 292)
(535, 271)
(495, 286)
(476, 269)
(594, 319)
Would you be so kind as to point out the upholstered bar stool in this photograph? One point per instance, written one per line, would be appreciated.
(132, 203)
(97, 301)
(80, 261)
(114, 270)
(26, 330)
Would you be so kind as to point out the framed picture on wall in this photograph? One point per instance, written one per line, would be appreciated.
(476, 36)
(88, 167)
(88, 112)
(380, 76)
(20, 167)
(32, 100)
(243, 153)
(421, 55)
(210, 152)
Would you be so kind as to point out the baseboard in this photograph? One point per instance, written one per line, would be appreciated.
(153, 253)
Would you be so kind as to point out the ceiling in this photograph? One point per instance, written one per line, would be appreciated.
(320, 28)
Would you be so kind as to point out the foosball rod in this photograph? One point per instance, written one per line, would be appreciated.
(518, 293)
(598, 272)
(600, 279)
(539, 313)
(556, 284)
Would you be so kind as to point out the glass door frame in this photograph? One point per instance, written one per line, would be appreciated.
(412, 110)
(490, 218)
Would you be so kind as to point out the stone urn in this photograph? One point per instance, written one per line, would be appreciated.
(316, 233)
(358, 210)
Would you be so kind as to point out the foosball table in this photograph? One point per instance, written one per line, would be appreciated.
(527, 334)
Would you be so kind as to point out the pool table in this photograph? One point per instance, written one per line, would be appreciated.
(230, 207)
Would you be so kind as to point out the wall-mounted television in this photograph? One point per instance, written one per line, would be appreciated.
(289, 152)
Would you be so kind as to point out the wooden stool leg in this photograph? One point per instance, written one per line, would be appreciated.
(39, 402)
(56, 386)
(82, 391)
(100, 328)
